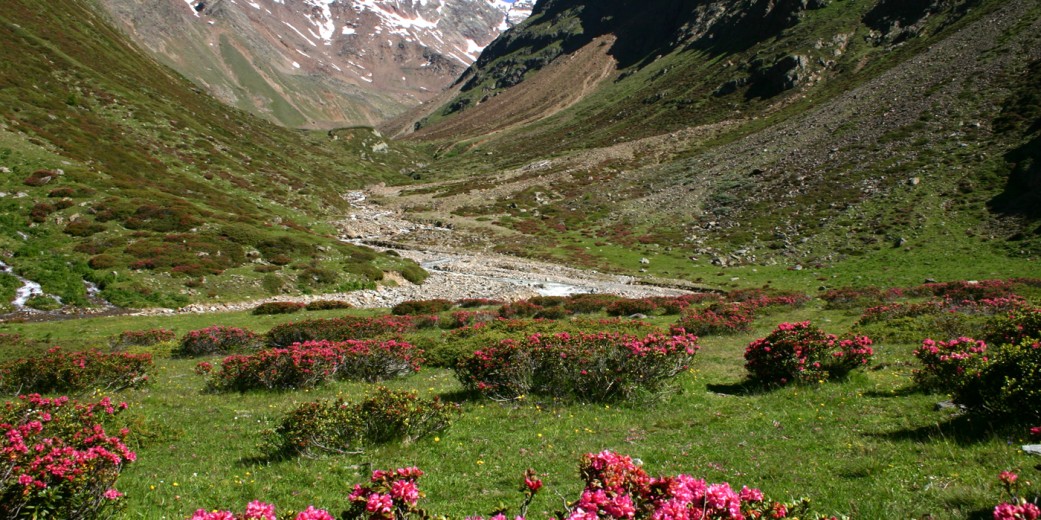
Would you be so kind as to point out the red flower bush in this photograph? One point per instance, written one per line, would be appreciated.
(585, 367)
(718, 319)
(59, 371)
(217, 340)
(947, 365)
(56, 458)
(628, 307)
(800, 352)
(616, 488)
(306, 365)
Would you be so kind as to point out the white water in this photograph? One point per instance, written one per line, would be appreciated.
(28, 289)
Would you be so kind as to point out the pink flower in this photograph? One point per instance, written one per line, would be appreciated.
(112, 494)
(1025, 511)
(257, 510)
(201, 514)
(379, 503)
(406, 491)
(1036, 431)
(314, 514)
(1008, 478)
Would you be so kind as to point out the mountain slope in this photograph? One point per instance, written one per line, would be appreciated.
(117, 171)
(317, 63)
(835, 132)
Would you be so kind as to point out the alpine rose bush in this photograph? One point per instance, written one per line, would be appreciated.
(585, 367)
(56, 458)
(305, 365)
(948, 365)
(60, 371)
(718, 319)
(1018, 506)
(217, 340)
(801, 352)
(616, 488)
(257, 510)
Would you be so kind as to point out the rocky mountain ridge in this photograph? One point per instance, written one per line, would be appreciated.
(318, 63)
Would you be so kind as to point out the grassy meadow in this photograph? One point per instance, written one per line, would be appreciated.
(868, 446)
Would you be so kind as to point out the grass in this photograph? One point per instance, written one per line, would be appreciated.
(868, 446)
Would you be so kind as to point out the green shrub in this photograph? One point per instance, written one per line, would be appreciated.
(324, 305)
(339, 427)
(415, 307)
(102, 262)
(338, 329)
(144, 338)
(278, 308)
(1009, 385)
(414, 273)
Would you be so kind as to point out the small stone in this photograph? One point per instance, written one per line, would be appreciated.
(1032, 449)
(645, 261)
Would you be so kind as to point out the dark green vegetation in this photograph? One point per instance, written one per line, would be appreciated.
(882, 139)
(119, 172)
(872, 445)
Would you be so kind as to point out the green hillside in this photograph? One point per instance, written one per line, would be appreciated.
(780, 134)
(119, 172)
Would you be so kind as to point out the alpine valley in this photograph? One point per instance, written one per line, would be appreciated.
(734, 259)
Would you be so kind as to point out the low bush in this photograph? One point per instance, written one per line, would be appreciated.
(144, 338)
(589, 303)
(60, 371)
(1015, 326)
(853, 298)
(556, 312)
(519, 309)
(278, 308)
(217, 340)
(338, 329)
(57, 460)
(583, 367)
(948, 365)
(801, 352)
(309, 364)
(325, 305)
(469, 303)
(629, 307)
(1009, 383)
(414, 273)
(717, 319)
(339, 427)
(414, 307)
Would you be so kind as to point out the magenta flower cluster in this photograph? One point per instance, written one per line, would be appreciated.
(947, 365)
(801, 352)
(388, 495)
(592, 367)
(305, 365)
(56, 459)
(257, 510)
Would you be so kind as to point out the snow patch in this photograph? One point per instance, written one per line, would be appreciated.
(300, 33)
(296, 65)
